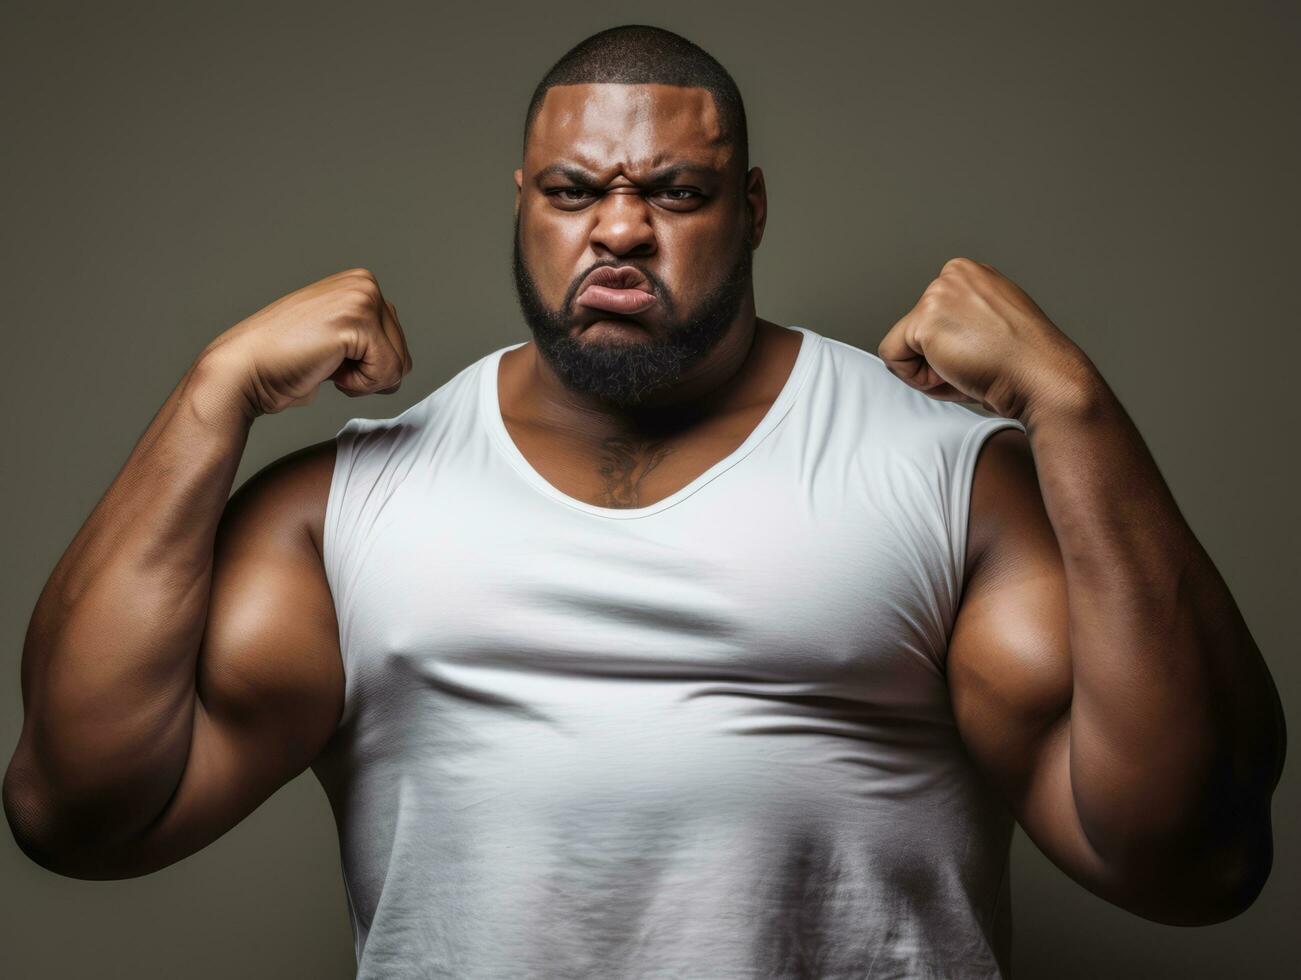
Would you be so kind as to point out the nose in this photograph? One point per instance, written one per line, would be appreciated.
(623, 224)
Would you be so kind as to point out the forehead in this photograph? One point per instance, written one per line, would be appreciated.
(606, 125)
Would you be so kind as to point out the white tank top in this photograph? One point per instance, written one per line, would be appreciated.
(707, 738)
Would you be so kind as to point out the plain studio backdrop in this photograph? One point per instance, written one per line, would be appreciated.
(170, 169)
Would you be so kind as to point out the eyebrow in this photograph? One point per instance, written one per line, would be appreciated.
(661, 175)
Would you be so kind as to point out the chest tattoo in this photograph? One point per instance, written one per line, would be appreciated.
(623, 466)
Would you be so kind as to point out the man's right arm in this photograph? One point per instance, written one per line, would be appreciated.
(182, 662)
(176, 673)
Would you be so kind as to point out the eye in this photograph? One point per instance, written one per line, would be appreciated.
(680, 198)
(569, 195)
(575, 197)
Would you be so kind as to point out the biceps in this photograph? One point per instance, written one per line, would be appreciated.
(270, 660)
(1010, 683)
(1045, 810)
(269, 686)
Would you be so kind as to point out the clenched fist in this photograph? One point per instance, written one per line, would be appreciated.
(975, 336)
(340, 328)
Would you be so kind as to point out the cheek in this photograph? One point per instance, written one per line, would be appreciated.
(554, 250)
(693, 258)
(549, 229)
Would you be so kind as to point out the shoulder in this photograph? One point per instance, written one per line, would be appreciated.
(290, 495)
(859, 378)
(1006, 503)
(449, 406)
(898, 428)
(287, 497)
(857, 384)
(294, 490)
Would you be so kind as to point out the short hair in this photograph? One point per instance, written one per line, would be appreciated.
(638, 54)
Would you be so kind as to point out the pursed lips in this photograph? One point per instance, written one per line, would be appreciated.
(620, 289)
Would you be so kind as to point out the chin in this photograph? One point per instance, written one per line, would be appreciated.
(614, 328)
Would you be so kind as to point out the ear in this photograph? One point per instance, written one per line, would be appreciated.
(519, 187)
(756, 195)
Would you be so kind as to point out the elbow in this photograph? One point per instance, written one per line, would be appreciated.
(1240, 879)
(1207, 892)
(82, 861)
(1221, 899)
(28, 816)
(66, 844)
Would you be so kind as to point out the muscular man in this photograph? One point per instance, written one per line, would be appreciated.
(673, 641)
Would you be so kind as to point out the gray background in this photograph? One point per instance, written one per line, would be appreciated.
(169, 169)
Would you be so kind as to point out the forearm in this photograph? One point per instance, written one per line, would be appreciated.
(1175, 726)
(109, 662)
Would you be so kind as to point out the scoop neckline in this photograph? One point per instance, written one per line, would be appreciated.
(490, 413)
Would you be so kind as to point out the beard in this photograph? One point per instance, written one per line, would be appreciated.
(627, 374)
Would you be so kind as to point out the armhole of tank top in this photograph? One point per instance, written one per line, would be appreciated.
(333, 548)
(330, 544)
(964, 473)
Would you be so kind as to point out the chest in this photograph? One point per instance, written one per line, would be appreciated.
(760, 581)
(631, 471)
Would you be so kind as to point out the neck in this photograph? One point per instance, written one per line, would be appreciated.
(717, 382)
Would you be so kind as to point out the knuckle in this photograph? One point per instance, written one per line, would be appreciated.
(361, 298)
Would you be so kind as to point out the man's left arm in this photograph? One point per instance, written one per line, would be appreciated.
(1101, 673)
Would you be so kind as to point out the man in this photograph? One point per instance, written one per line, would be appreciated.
(672, 642)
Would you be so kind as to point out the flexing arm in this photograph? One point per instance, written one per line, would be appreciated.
(182, 660)
(1100, 670)
(1127, 717)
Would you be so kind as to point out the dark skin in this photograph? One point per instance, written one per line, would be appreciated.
(1101, 674)
(1133, 634)
(630, 468)
(620, 136)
